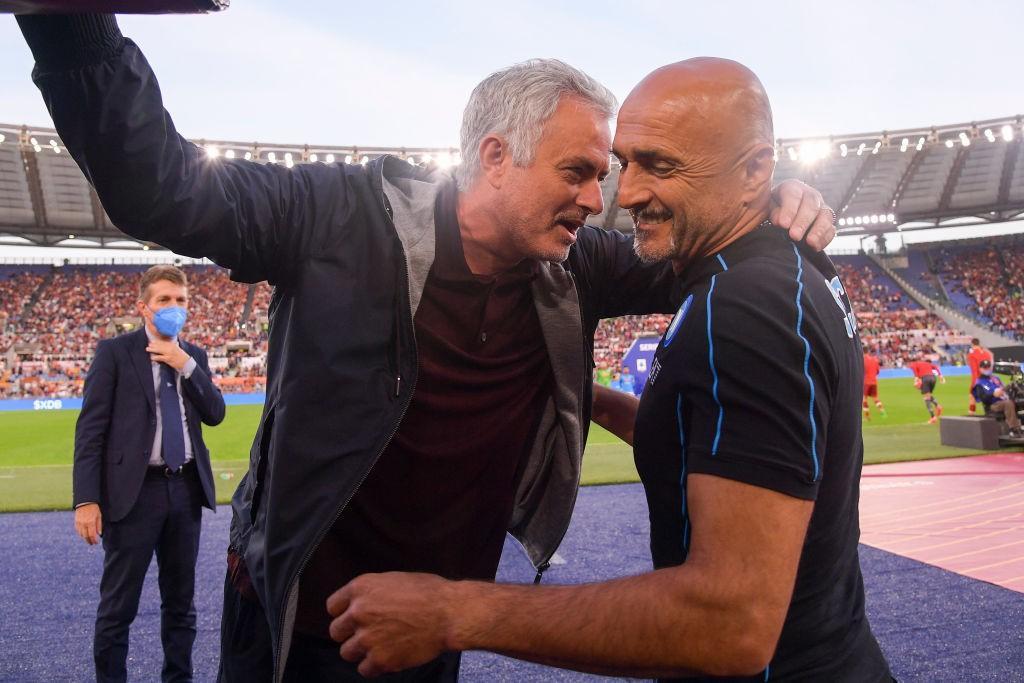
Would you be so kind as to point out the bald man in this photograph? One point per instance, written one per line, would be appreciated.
(753, 501)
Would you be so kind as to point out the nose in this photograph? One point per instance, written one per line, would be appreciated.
(632, 194)
(591, 198)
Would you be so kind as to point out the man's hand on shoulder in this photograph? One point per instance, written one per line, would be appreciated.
(89, 522)
(164, 351)
(801, 210)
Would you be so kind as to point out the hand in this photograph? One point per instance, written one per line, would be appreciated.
(89, 522)
(389, 622)
(166, 351)
(942, 379)
(802, 210)
(917, 382)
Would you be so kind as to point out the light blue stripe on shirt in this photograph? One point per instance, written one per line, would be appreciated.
(807, 359)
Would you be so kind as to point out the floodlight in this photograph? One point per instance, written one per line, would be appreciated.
(314, 158)
(843, 149)
(412, 160)
(892, 218)
(1007, 132)
(248, 156)
(874, 218)
(35, 143)
(272, 158)
(365, 160)
(348, 158)
(2, 138)
(949, 143)
(330, 158)
(230, 154)
(212, 152)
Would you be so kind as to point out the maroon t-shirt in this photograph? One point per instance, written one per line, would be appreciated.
(440, 497)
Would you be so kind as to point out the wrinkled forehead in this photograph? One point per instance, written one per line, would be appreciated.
(576, 129)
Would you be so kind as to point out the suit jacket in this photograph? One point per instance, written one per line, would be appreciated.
(115, 430)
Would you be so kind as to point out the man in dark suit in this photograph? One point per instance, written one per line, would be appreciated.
(142, 472)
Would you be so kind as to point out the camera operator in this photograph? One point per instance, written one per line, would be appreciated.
(989, 390)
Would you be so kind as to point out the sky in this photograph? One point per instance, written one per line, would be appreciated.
(398, 73)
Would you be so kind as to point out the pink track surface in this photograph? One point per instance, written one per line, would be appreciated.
(961, 514)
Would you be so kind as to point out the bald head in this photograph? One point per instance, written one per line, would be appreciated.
(716, 99)
(697, 141)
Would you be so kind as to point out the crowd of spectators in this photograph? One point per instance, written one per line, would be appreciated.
(894, 326)
(992, 280)
(50, 323)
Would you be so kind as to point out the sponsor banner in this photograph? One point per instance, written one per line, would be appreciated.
(638, 359)
(76, 403)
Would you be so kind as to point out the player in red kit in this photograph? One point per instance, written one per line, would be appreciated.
(926, 374)
(977, 354)
(871, 367)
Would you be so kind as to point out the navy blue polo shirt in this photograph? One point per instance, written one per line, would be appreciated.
(758, 379)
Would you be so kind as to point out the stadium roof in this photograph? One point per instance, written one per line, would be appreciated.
(958, 174)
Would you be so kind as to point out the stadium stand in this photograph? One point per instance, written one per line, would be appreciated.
(914, 178)
(52, 317)
(890, 322)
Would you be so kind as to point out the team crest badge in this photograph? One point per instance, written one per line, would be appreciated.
(670, 333)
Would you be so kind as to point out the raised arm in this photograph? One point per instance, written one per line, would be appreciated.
(258, 220)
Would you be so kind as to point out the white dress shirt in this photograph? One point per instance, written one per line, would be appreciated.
(155, 455)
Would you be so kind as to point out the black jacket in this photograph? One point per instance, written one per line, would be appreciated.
(348, 249)
(115, 430)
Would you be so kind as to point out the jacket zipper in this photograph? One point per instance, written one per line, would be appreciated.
(278, 664)
(546, 564)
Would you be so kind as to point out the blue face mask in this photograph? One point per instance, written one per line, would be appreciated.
(169, 321)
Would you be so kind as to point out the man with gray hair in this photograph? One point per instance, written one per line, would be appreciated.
(431, 343)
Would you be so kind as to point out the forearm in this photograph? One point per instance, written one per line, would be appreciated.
(108, 110)
(615, 411)
(674, 622)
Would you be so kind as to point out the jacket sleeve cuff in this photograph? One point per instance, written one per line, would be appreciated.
(189, 368)
(64, 41)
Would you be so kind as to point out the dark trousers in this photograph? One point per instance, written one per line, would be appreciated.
(166, 520)
(247, 654)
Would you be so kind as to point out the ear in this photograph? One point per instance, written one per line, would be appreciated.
(494, 159)
(757, 172)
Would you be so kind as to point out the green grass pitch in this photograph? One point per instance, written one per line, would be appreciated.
(36, 447)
